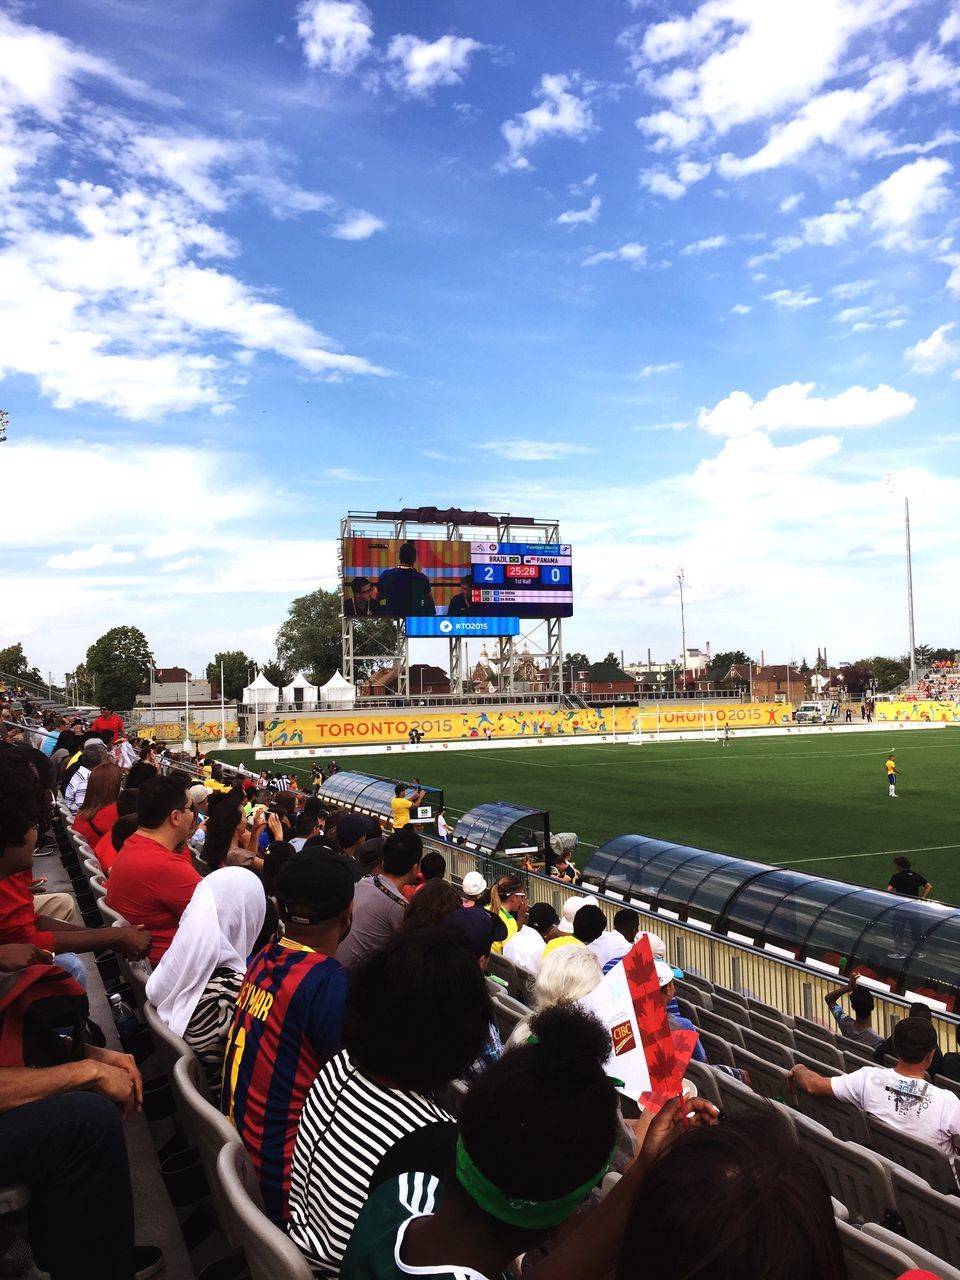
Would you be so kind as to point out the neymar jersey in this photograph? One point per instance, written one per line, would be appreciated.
(891, 768)
(286, 1025)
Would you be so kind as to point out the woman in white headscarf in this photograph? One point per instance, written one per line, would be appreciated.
(196, 984)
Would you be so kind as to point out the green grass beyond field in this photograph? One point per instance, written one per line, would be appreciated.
(819, 804)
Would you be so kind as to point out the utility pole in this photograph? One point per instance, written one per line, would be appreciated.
(913, 647)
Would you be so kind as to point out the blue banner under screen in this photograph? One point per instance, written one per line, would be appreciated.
(448, 628)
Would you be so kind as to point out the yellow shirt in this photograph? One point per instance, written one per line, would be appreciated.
(565, 940)
(512, 927)
(400, 809)
(891, 767)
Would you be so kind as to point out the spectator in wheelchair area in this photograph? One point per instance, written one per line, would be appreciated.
(860, 1027)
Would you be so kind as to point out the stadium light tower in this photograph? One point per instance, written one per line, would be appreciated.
(683, 629)
(913, 646)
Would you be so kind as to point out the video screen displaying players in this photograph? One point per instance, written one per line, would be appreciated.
(390, 577)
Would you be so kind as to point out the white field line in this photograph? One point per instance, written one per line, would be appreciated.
(879, 853)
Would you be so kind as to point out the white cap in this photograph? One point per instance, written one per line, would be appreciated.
(657, 945)
(473, 884)
(570, 909)
(665, 973)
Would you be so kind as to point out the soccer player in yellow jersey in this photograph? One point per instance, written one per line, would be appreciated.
(891, 768)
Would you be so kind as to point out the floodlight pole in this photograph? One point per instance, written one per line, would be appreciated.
(683, 630)
(187, 744)
(913, 647)
(223, 715)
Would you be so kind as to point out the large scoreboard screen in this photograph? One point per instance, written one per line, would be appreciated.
(422, 578)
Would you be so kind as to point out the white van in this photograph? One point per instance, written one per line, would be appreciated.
(814, 712)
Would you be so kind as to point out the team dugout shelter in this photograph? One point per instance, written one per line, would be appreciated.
(908, 945)
(370, 795)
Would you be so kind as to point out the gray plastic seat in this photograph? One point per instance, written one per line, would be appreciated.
(208, 1128)
(818, 1049)
(720, 1026)
(870, 1259)
(518, 981)
(693, 993)
(930, 1217)
(168, 1047)
(732, 1009)
(739, 1099)
(844, 1120)
(922, 1158)
(756, 1005)
(508, 1014)
(919, 1257)
(270, 1253)
(769, 1050)
(695, 980)
(813, 1028)
(853, 1061)
(706, 1081)
(856, 1048)
(689, 1010)
(767, 1078)
(854, 1175)
(716, 1048)
(944, 1082)
(773, 1028)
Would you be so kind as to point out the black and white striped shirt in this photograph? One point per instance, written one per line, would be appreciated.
(206, 1033)
(352, 1134)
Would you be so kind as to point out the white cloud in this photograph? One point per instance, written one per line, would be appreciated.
(424, 65)
(649, 370)
(851, 289)
(704, 246)
(933, 353)
(358, 226)
(90, 557)
(745, 60)
(635, 254)
(559, 114)
(336, 34)
(792, 408)
(691, 171)
(181, 565)
(914, 190)
(950, 27)
(789, 203)
(952, 260)
(661, 184)
(791, 299)
(575, 217)
(740, 309)
(521, 450)
(581, 188)
(942, 138)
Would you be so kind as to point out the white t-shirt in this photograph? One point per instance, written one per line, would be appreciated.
(611, 945)
(525, 949)
(444, 829)
(904, 1102)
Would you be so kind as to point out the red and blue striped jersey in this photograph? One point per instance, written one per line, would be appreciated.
(286, 1025)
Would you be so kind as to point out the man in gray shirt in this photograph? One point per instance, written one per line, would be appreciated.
(378, 902)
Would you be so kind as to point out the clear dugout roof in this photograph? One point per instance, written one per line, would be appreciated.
(486, 826)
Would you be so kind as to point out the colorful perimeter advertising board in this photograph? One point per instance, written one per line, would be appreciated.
(515, 722)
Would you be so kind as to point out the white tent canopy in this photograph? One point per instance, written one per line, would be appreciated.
(300, 690)
(337, 692)
(261, 693)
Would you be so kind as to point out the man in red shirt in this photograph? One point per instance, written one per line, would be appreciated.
(153, 878)
(108, 722)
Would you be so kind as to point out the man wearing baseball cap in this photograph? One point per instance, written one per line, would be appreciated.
(526, 946)
(288, 1017)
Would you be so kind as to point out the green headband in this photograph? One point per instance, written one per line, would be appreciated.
(521, 1213)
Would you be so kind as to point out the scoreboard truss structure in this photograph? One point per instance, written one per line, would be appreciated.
(538, 639)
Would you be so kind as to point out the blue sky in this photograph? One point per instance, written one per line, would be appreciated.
(685, 277)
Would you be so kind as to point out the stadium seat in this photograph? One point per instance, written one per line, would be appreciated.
(756, 1005)
(694, 994)
(738, 1013)
(854, 1061)
(929, 1216)
(819, 1049)
(869, 1259)
(922, 1158)
(768, 1079)
(944, 1082)
(772, 1028)
(815, 1064)
(769, 1050)
(845, 1121)
(518, 982)
(209, 1129)
(856, 1049)
(168, 1047)
(689, 1010)
(112, 917)
(717, 1048)
(853, 1173)
(270, 1253)
(508, 1014)
(706, 1081)
(921, 1258)
(735, 997)
(722, 1027)
(694, 980)
(813, 1028)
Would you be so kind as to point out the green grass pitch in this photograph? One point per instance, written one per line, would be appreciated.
(819, 804)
